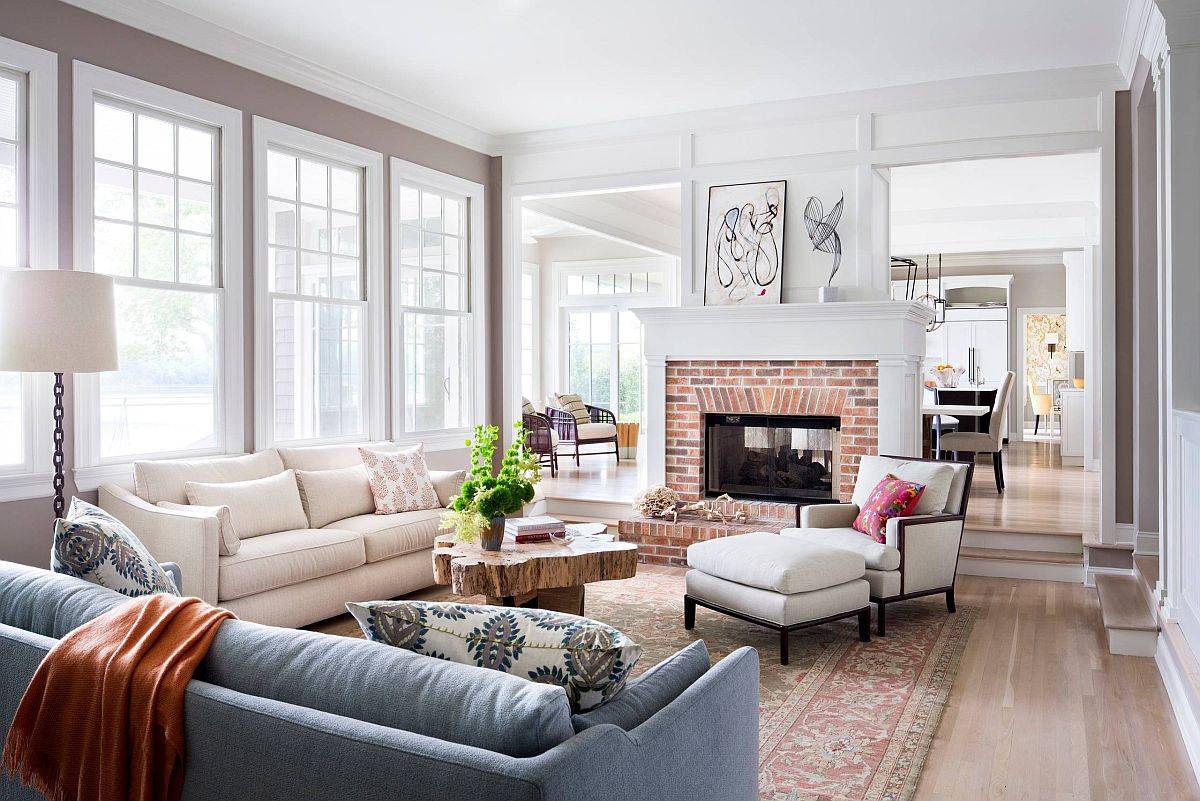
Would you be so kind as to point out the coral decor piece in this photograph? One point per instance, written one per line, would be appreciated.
(656, 501)
(892, 497)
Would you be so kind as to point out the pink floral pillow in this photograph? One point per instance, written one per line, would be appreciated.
(892, 497)
(399, 480)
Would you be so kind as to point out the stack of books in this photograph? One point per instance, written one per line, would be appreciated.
(532, 529)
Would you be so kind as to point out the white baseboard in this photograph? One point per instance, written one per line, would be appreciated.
(1089, 578)
(1126, 533)
(1183, 703)
(1007, 568)
(1146, 543)
(1021, 541)
(1129, 642)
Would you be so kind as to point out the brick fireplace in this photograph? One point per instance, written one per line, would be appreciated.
(858, 362)
(843, 389)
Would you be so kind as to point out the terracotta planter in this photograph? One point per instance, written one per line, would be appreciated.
(493, 537)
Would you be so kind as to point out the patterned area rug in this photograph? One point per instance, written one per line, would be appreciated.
(845, 721)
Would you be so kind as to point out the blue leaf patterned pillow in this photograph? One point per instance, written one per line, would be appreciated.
(91, 544)
(589, 659)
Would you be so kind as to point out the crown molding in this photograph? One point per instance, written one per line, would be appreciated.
(1139, 16)
(168, 22)
(978, 90)
(1016, 258)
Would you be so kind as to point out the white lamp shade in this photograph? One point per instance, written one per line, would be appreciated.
(57, 321)
(1051, 339)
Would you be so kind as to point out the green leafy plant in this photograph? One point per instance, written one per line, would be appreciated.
(484, 496)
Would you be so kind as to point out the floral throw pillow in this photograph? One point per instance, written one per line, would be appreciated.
(588, 659)
(92, 545)
(399, 480)
(892, 497)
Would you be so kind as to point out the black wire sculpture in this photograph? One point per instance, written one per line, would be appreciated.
(822, 230)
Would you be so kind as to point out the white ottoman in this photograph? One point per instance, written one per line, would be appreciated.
(777, 582)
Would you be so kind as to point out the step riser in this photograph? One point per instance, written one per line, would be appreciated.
(1005, 568)
(1128, 642)
(1022, 542)
(592, 510)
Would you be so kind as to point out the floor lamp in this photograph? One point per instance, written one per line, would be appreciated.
(57, 321)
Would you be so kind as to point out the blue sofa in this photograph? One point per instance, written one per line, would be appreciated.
(285, 714)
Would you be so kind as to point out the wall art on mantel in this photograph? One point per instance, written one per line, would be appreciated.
(743, 260)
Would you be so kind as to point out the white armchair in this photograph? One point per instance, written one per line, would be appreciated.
(920, 554)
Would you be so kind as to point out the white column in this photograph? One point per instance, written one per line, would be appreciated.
(900, 405)
(656, 420)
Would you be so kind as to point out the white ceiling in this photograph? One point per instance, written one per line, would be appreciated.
(505, 66)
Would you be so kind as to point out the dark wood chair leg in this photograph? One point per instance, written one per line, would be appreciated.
(689, 613)
(577, 453)
(1037, 419)
(998, 468)
(950, 600)
(864, 625)
(880, 622)
(783, 646)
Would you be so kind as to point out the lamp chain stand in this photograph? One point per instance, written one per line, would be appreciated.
(59, 480)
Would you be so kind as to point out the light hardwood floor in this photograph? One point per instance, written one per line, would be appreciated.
(598, 478)
(1041, 495)
(1041, 711)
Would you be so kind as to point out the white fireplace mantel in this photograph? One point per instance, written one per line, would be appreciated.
(891, 333)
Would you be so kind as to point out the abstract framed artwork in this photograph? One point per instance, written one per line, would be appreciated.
(743, 260)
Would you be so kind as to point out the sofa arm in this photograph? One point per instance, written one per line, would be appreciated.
(187, 538)
(929, 549)
(828, 515)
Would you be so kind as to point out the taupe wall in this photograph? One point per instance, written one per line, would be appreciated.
(25, 526)
(1125, 318)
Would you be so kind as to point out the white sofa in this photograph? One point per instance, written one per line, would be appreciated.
(286, 578)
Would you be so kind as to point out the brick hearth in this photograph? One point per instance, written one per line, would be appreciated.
(843, 388)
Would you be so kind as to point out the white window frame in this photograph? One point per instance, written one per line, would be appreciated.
(267, 133)
(91, 82)
(39, 196)
(564, 304)
(407, 173)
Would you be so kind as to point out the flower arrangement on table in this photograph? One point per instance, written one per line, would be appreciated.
(483, 501)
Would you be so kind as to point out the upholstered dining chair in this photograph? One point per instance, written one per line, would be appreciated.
(579, 423)
(1043, 406)
(990, 441)
(540, 436)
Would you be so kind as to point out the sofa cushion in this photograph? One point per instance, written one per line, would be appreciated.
(447, 483)
(595, 431)
(644, 696)
(386, 536)
(775, 563)
(164, 480)
(92, 545)
(878, 555)
(328, 457)
(229, 542)
(287, 557)
(259, 506)
(573, 404)
(329, 495)
(589, 659)
(937, 478)
(399, 480)
(50, 604)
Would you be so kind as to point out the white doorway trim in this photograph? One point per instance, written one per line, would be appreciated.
(1022, 391)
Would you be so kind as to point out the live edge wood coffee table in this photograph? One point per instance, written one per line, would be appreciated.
(548, 575)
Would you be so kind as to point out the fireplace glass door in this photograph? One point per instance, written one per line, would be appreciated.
(772, 457)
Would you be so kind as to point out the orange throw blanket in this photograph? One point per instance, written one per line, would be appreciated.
(102, 718)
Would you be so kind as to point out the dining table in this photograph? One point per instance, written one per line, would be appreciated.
(939, 410)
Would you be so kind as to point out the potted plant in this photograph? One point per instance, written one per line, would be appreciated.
(485, 500)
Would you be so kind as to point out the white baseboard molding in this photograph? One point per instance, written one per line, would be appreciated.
(1146, 543)
(1184, 702)
(1126, 533)
(1008, 568)
(1021, 541)
(1089, 579)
